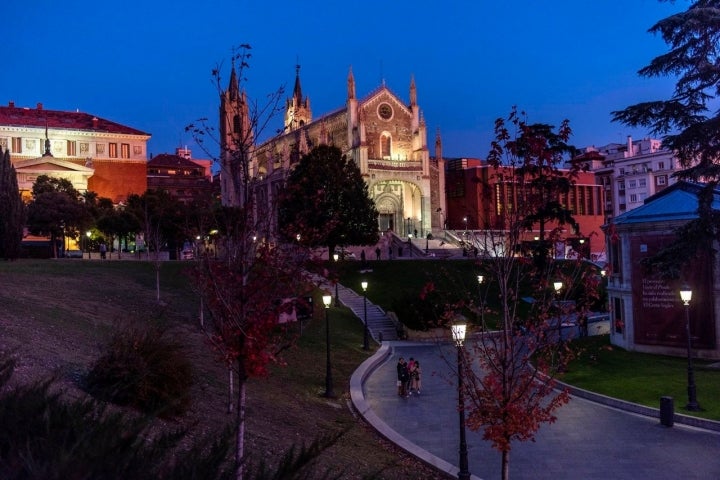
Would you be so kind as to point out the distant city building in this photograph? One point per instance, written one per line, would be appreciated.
(631, 172)
(385, 136)
(646, 312)
(478, 195)
(180, 175)
(91, 152)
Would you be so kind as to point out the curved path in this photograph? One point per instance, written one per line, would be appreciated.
(588, 441)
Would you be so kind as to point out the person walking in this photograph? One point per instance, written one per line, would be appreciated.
(402, 377)
(411, 372)
(103, 251)
(377, 253)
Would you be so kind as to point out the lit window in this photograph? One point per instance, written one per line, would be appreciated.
(124, 150)
(112, 150)
(17, 145)
(385, 143)
(71, 148)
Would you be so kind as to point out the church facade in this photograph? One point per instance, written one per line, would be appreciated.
(385, 136)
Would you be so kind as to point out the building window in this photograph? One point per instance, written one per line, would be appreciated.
(112, 150)
(385, 145)
(642, 183)
(616, 261)
(661, 165)
(622, 171)
(17, 145)
(617, 312)
(124, 150)
(621, 187)
(661, 180)
(71, 148)
(633, 198)
(632, 184)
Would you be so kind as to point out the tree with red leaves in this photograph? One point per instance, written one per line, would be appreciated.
(243, 285)
(510, 365)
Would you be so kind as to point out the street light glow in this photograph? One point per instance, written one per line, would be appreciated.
(458, 332)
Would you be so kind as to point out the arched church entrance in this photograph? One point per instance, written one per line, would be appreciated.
(388, 207)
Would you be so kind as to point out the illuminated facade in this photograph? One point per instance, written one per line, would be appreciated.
(92, 153)
(479, 197)
(385, 136)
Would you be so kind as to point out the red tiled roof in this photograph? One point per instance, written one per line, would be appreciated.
(168, 160)
(39, 117)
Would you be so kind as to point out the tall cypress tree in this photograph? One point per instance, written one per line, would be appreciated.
(12, 209)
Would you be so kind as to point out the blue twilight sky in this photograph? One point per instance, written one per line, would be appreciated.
(147, 64)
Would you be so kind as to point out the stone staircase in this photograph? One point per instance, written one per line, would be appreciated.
(380, 326)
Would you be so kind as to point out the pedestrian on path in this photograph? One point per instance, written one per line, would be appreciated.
(103, 251)
(411, 372)
(402, 377)
(377, 253)
(415, 378)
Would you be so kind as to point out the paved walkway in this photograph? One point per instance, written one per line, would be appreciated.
(588, 441)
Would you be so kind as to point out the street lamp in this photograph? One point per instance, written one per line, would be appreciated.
(465, 220)
(458, 334)
(88, 234)
(692, 405)
(558, 285)
(366, 339)
(327, 299)
(337, 302)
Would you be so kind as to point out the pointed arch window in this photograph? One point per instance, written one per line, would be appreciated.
(385, 145)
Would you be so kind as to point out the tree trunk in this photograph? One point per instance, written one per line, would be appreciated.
(505, 465)
(240, 451)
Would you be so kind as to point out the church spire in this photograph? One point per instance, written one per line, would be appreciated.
(297, 91)
(233, 86)
(351, 84)
(413, 92)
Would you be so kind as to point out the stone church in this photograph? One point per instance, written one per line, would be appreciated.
(384, 135)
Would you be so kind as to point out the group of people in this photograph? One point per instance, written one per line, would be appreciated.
(408, 377)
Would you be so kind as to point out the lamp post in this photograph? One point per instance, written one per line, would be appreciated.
(366, 339)
(692, 405)
(558, 285)
(458, 334)
(465, 219)
(337, 302)
(327, 299)
(480, 280)
(88, 234)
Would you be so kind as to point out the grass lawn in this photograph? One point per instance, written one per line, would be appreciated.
(56, 315)
(642, 378)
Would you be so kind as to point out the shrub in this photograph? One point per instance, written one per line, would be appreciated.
(144, 369)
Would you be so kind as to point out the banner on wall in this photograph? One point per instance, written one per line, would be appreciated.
(658, 313)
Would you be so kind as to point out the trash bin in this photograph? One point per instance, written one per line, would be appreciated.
(667, 411)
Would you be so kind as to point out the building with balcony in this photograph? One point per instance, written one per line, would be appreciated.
(91, 152)
(631, 172)
(384, 135)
